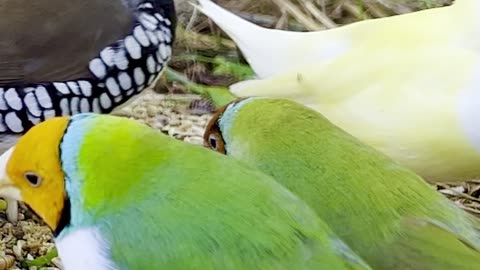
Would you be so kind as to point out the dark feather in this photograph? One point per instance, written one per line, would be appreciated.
(52, 40)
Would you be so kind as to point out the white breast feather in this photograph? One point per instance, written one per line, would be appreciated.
(84, 248)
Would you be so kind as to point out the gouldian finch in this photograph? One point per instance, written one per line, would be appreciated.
(386, 213)
(408, 85)
(63, 57)
(120, 195)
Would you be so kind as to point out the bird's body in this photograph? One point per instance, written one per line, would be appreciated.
(66, 57)
(385, 212)
(128, 197)
(407, 85)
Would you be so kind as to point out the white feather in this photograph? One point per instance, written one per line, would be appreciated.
(84, 248)
(269, 51)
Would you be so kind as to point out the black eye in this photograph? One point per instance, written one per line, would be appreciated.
(212, 140)
(215, 141)
(33, 179)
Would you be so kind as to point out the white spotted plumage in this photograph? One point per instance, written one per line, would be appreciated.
(73, 86)
(34, 119)
(120, 59)
(74, 105)
(48, 114)
(152, 37)
(3, 127)
(96, 105)
(13, 100)
(98, 69)
(43, 98)
(64, 106)
(85, 88)
(159, 17)
(151, 64)
(125, 81)
(3, 102)
(107, 56)
(62, 88)
(133, 48)
(140, 36)
(151, 19)
(139, 76)
(146, 5)
(112, 87)
(130, 92)
(105, 101)
(160, 36)
(32, 104)
(167, 34)
(148, 21)
(84, 105)
(163, 51)
(117, 99)
(13, 122)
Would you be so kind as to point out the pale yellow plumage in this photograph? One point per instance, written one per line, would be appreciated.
(408, 85)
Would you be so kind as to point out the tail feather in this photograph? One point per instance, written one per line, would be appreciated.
(245, 34)
(272, 52)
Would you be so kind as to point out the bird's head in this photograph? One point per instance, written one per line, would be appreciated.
(31, 171)
(214, 136)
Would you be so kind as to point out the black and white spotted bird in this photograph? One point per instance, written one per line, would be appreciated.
(62, 57)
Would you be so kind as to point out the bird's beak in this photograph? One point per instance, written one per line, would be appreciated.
(7, 189)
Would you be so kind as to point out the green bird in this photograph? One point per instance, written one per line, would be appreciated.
(387, 214)
(120, 195)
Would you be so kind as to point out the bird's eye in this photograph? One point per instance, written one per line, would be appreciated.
(33, 179)
(213, 141)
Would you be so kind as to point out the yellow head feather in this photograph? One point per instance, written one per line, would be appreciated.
(34, 168)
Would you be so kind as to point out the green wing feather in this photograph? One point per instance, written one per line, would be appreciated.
(164, 204)
(360, 193)
(422, 244)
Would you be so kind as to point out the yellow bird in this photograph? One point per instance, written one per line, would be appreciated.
(408, 85)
